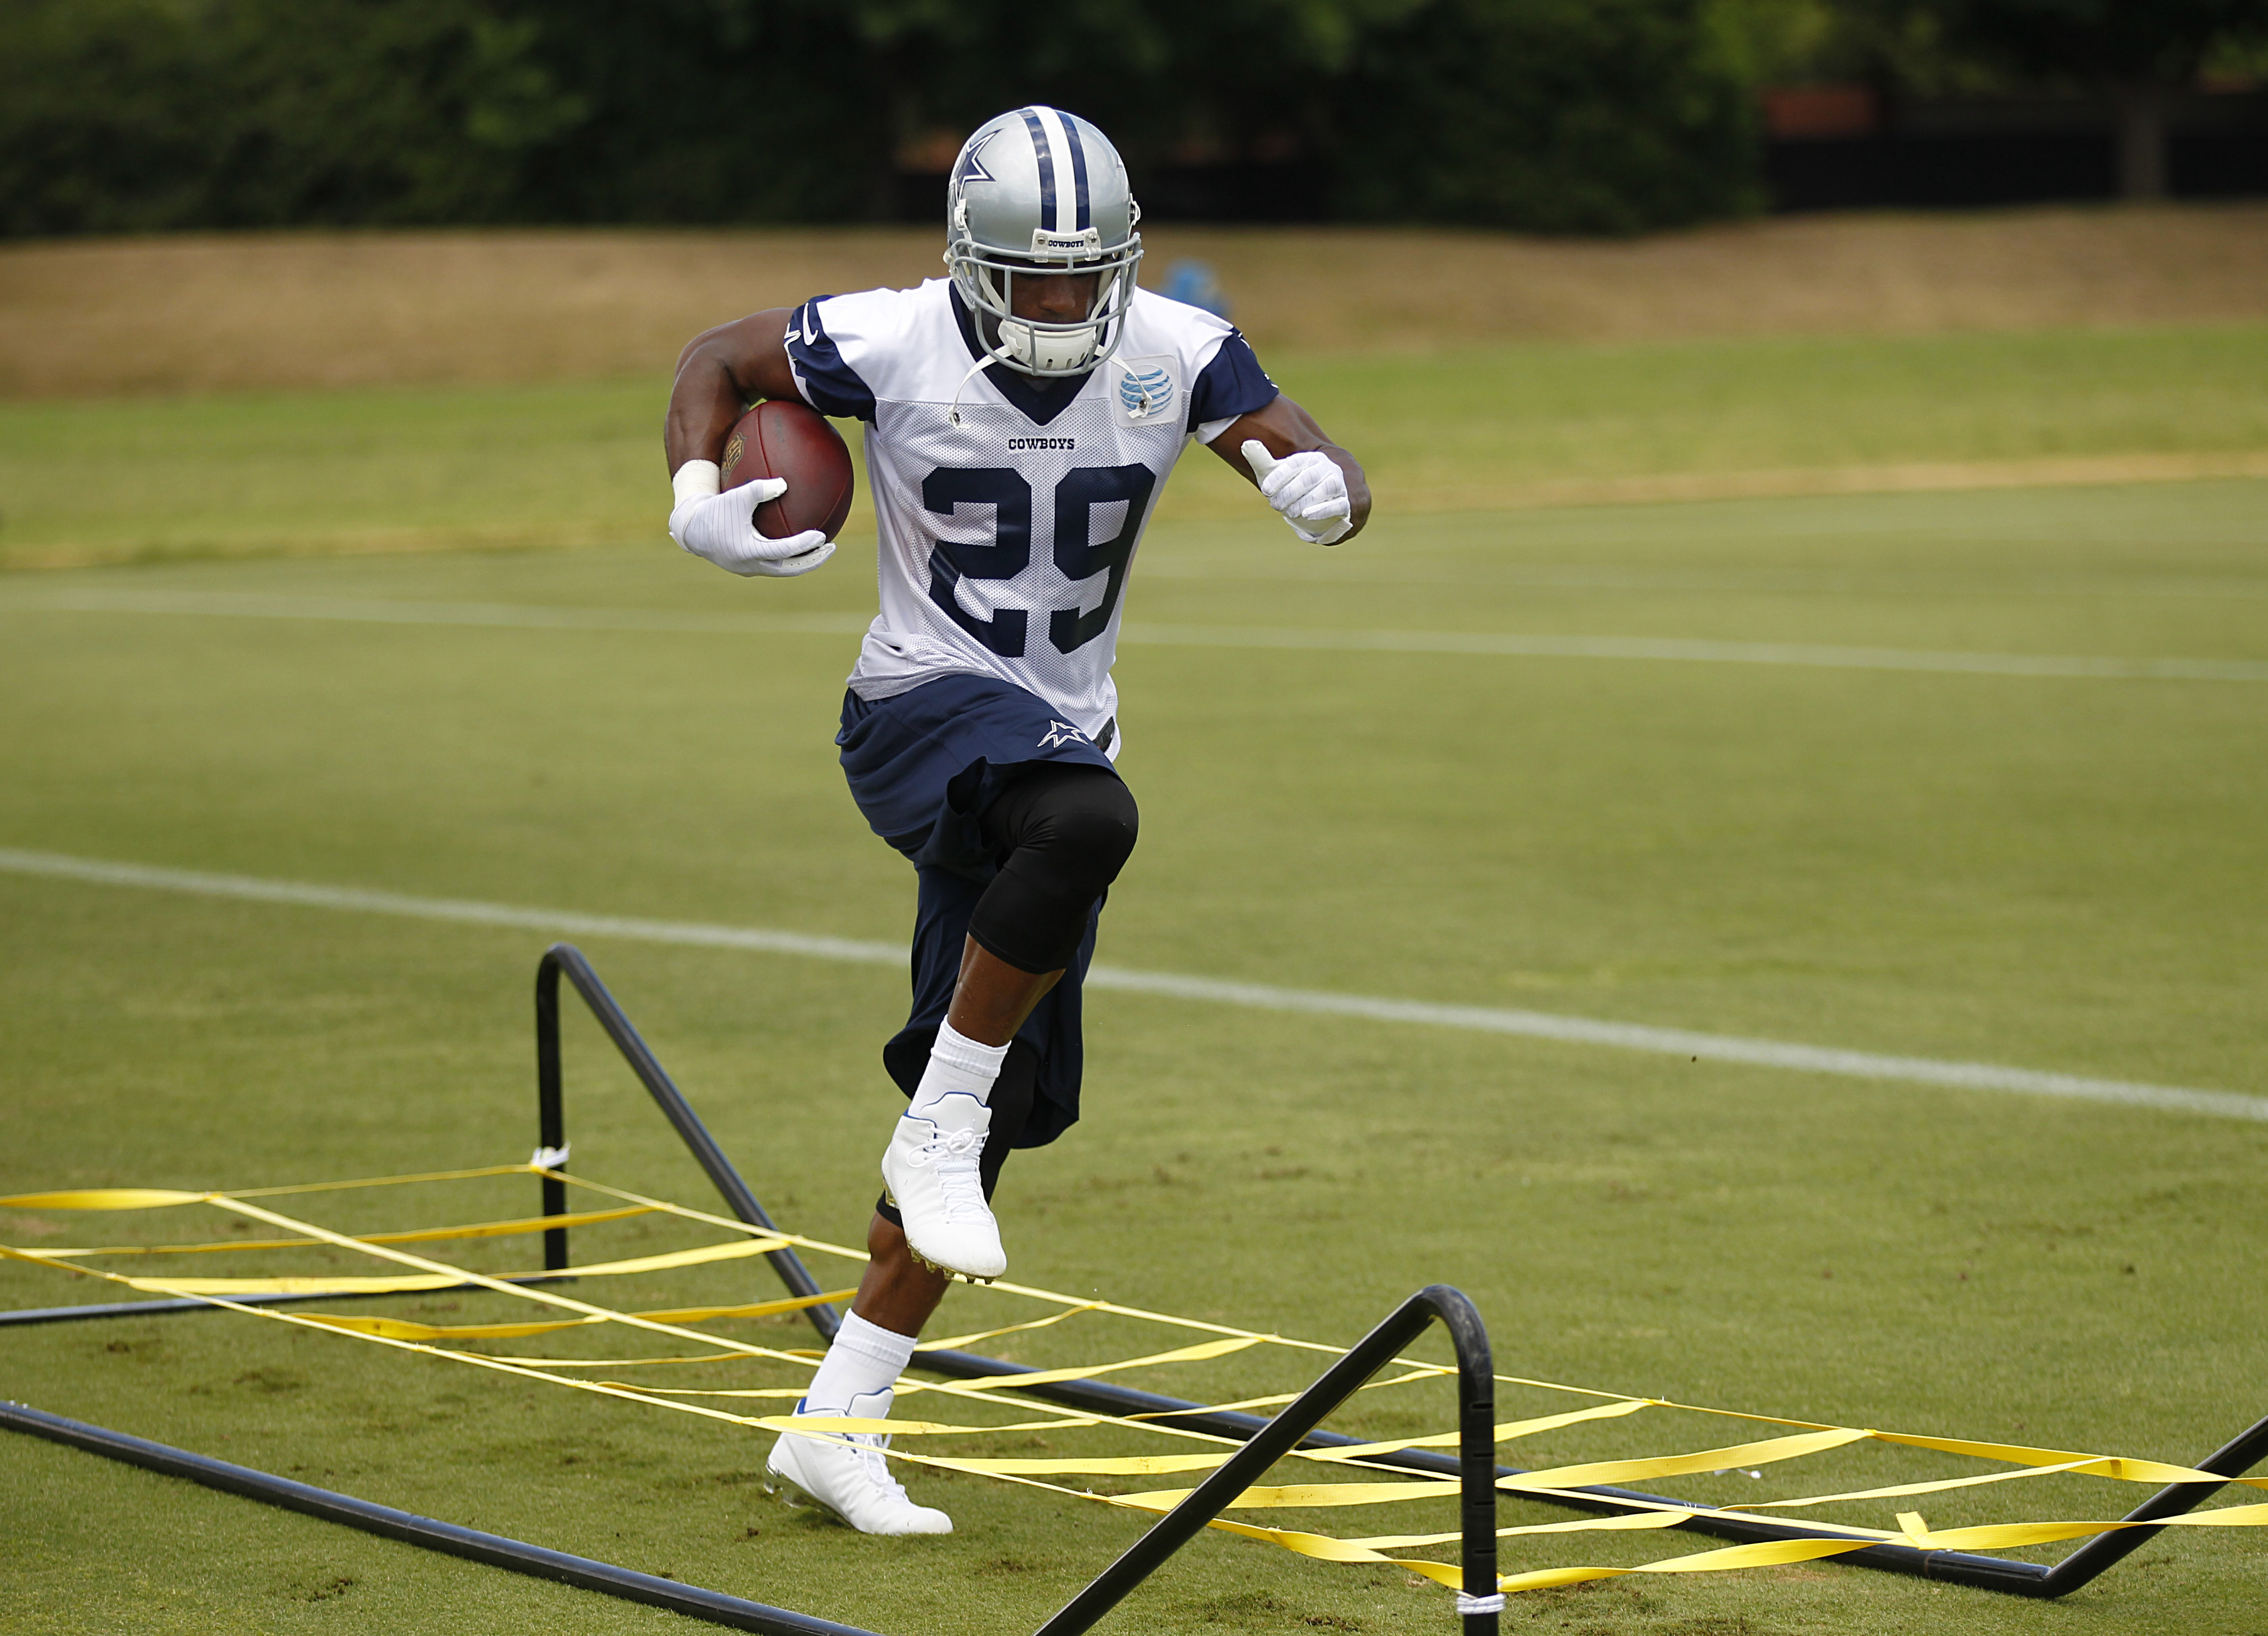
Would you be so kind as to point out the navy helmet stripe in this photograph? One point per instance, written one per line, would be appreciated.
(1077, 146)
(1047, 165)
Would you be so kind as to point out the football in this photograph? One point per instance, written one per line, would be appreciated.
(778, 438)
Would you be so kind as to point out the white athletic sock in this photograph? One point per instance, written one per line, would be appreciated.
(957, 1064)
(861, 1367)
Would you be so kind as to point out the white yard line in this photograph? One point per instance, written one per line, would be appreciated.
(1968, 1076)
(358, 610)
(1703, 652)
(1140, 633)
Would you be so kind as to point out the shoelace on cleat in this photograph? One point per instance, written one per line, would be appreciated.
(875, 1468)
(954, 1157)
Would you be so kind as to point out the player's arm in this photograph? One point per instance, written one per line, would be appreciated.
(720, 372)
(1317, 486)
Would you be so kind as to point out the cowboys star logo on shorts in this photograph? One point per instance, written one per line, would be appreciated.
(1060, 734)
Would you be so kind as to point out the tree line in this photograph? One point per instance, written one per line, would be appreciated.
(1559, 115)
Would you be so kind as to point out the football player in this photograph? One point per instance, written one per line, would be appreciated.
(1022, 414)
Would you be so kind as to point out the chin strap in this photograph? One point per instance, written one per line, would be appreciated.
(997, 355)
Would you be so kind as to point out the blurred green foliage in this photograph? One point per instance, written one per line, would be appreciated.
(154, 114)
(1581, 116)
(142, 114)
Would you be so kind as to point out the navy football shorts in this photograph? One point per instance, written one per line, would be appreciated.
(923, 767)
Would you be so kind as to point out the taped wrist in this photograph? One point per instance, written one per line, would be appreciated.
(1061, 833)
(697, 480)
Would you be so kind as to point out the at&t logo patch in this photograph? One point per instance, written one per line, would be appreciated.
(1147, 390)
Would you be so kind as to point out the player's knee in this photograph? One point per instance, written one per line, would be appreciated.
(1089, 833)
(1064, 834)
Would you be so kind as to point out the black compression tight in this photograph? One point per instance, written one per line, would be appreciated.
(1060, 833)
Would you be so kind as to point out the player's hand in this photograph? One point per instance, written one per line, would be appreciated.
(1308, 489)
(722, 529)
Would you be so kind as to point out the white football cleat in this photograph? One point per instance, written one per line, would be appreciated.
(851, 1478)
(931, 1170)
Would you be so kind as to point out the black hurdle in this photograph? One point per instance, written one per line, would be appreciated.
(566, 960)
(1959, 1567)
(1480, 1602)
(194, 1303)
(426, 1533)
(1266, 1439)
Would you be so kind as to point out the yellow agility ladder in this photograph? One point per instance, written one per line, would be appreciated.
(667, 1352)
(683, 1363)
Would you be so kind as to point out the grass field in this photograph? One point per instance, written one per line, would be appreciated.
(2059, 873)
(579, 463)
(253, 311)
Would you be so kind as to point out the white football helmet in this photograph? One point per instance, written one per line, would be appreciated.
(1040, 190)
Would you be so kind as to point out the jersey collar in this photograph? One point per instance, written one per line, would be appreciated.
(1040, 400)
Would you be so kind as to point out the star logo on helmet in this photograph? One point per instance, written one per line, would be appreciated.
(971, 165)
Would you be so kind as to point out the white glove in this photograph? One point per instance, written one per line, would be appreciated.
(721, 528)
(1309, 489)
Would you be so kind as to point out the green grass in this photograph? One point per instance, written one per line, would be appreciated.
(2056, 873)
(579, 464)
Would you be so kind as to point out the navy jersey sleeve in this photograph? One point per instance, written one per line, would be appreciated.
(1232, 383)
(827, 383)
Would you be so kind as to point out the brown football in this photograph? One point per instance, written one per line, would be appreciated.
(778, 438)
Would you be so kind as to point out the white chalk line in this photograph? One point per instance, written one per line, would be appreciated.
(1832, 658)
(1140, 633)
(357, 610)
(1968, 1076)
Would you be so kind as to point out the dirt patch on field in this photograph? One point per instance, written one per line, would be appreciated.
(195, 314)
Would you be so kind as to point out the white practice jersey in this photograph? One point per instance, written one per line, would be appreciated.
(1008, 527)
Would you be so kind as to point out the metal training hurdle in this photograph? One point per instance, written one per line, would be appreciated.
(1266, 1439)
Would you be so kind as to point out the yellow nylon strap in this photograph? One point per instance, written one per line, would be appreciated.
(833, 1426)
(1044, 1377)
(1305, 1495)
(1662, 1515)
(155, 1198)
(1769, 1553)
(523, 1292)
(702, 1256)
(695, 1257)
(402, 1329)
(670, 1391)
(1332, 1493)
(400, 1284)
(1371, 1494)
(2113, 1466)
(102, 1198)
(1505, 1432)
(384, 1181)
(1325, 1548)
(1899, 1491)
(1991, 1536)
(424, 1235)
(1308, 1494)
(2013, 1536)
(1424, 1373)
(953, 1341)
(1668, 1517)
(822, 1247)
(635, 1363)
(1765, 1453)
